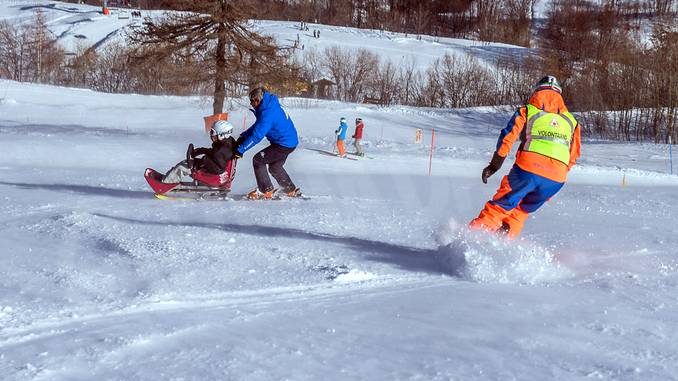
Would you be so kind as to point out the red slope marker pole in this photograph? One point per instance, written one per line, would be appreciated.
(430, 156)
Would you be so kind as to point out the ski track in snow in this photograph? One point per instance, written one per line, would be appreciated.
(263, 299)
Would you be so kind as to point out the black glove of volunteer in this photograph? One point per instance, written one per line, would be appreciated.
(493, 167)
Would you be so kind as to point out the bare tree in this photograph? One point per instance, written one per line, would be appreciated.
(408, 78)
(351, 71)
(29, 52)
(386, 83)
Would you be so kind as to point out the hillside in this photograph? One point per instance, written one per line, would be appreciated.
(79, 26)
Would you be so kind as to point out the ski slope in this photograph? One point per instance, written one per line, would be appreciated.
(100, 280)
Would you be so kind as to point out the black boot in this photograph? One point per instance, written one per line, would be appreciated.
(503, 229)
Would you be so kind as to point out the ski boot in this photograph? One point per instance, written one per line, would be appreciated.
(296, 192)
(256, 195)
(504, 229)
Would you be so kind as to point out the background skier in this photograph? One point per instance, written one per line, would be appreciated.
(212, 160)
(358, 136)
(550, 144)
(341, 136)
(276, 125)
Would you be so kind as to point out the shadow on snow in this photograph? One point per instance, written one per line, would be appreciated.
(83, 189)
(405, 257)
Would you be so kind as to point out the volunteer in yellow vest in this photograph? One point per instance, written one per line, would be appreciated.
(550, 143)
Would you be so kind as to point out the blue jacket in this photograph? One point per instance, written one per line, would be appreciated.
(273, 123)
(341, 131)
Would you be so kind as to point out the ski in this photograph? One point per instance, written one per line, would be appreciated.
(322, 152)
(360, 156)
(192, 196)
(200, 196)
(276, 197)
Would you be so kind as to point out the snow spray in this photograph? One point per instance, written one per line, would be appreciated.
(480, 257)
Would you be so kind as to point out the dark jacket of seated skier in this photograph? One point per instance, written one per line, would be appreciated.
(213, 160)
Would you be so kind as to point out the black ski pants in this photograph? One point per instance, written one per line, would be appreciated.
(274, 157)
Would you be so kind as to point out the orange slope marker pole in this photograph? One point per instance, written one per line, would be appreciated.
(430, 155)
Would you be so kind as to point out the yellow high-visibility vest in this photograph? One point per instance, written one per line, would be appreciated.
(549, 134)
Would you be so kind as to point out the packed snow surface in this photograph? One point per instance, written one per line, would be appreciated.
(100, 280)
(374, 277)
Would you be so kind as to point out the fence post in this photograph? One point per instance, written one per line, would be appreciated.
(670, 157)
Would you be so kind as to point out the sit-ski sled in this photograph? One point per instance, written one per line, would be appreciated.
(204, 186)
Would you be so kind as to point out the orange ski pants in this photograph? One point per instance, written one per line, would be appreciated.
(521, 192)
(341, 147)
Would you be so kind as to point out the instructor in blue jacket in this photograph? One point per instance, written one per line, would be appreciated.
(273, 123)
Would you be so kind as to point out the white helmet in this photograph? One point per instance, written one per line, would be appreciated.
(549, 82)
(222, 129)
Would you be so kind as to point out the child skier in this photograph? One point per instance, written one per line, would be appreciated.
(212, 160)
(358, 136)
(341, 136)
(549, 146)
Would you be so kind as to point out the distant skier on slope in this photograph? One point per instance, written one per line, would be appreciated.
(212, 160)
(550, 143)
(358, 136)
(341, 136)
(272, 122)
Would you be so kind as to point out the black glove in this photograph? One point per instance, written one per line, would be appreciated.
(237, 154)
(189, 156)
(493, 167)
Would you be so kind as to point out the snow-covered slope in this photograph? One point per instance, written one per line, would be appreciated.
(81, 26)
(99, 280)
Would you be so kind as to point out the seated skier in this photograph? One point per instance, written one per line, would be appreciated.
(212, 160)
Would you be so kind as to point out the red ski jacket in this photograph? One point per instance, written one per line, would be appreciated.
(358, 131)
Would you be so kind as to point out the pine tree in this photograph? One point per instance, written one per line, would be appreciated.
(219, 34)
